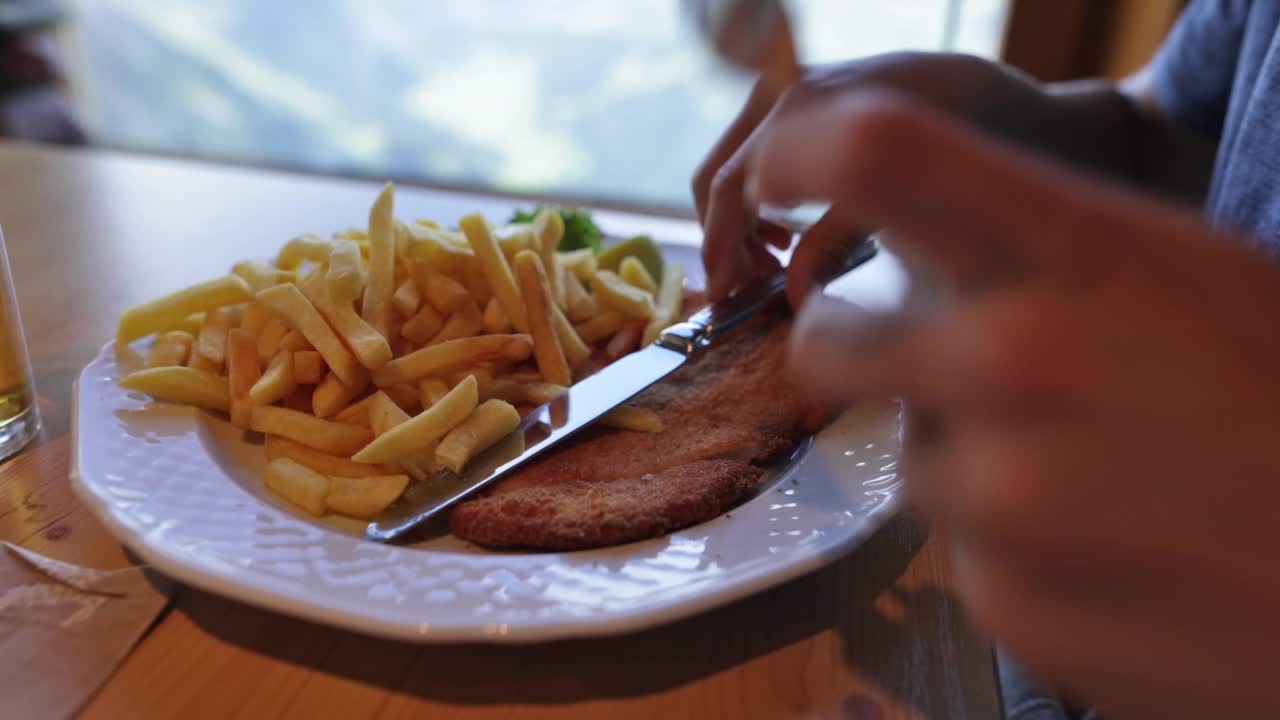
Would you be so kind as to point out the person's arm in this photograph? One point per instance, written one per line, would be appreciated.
(1117, 130)
(1090, 125)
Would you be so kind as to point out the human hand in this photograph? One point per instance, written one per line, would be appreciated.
(735, 247)
(1093, 409)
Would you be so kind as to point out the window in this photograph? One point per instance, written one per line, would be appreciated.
(610, 100)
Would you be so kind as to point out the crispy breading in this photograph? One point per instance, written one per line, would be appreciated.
(733, 407)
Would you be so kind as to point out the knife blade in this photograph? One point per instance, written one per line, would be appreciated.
(583, 403)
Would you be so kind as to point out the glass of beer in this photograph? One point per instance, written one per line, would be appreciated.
(19, 414)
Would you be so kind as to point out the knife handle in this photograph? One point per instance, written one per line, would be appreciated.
(709, 323)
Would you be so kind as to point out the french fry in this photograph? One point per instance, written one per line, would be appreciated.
(211, 343)
(363, 339)
(184, 385)
(301, 249)
(190, 324)
(243, 373)
(477, 285)
(270, 337)
(633, 273)
(171, 349)
(523, 374)
(452, 355)
(294, 341)
(603, 325)
(308, 367)
(376, 309)
(356, 235)
(670, 301)
(332, 437)
(431, 390)
(298, 484)
(403, 394)
(579, 305)
(548, 229)
(440, 249)
(356, 413)
(467, 321)
(581, 262)
(277, 381)
(625, 341)
(489, 423)
(254, 318)
(300, 399)
(524, 393)
(170, 311)
(575, 350)
(203, 364)
(289, 303)
(443, 292)
(630, 417)
(423, 325)
(495, 319)
(332, 395)
(514, 237)
(345, 278)
(495, 267)
(424, 429)
(538, 305)
(323, 463)
(260, 275)
(483, 376)
(364, 497)
(384, 413)
(406, 298)
(614, 292)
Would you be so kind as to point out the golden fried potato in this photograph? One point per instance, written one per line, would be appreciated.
(425, 429)
(290, 304)
(612, 291)
(277, 381)
(364, 497)
(185, 385)
(332, 395)
(170, 311)
(670, 301)
(298, 484)
(243, 373)
(435, 360)
(173, 348)
(323, 463)
(332, 437)
(496, 269)
(376, 308)
(489, 423)
(538, 305)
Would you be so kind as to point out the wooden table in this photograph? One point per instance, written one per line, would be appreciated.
(89, 233)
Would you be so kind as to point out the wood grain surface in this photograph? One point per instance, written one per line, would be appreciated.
(876, 634)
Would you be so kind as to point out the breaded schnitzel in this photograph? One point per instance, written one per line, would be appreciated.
(730, 408)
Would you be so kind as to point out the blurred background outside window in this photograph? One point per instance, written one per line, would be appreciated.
(609, 101)
(612, 100)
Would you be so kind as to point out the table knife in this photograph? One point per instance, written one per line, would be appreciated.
(583, 403)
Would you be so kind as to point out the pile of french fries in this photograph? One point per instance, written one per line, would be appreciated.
(375, 358)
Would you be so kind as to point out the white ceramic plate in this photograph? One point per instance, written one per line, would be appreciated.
(182, 488)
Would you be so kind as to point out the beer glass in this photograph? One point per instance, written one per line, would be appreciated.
(19, 414)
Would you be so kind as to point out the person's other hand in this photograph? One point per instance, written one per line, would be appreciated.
(1093, 411)
(735, 250)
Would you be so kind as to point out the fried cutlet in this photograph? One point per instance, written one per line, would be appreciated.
(729, 409)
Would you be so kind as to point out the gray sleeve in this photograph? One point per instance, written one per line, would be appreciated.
(1195, 68)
